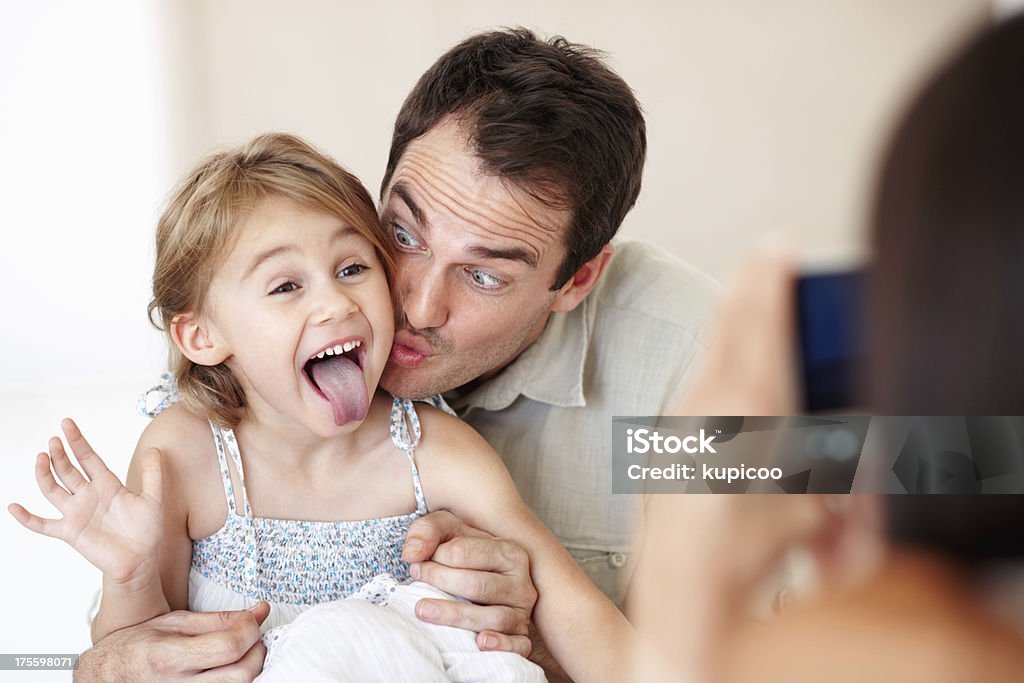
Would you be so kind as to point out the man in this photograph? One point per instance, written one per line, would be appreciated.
(513, 163)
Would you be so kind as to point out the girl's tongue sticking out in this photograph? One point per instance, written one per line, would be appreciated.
(340, 379)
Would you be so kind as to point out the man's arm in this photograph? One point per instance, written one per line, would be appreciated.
(209, 646)
(582, 628)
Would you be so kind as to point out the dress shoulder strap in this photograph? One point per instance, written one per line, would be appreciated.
(437, 400)
(224, 440)
(405, 434)
(159, 397)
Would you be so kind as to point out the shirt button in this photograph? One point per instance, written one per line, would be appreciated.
(617, 560)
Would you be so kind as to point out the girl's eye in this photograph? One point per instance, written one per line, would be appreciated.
(405, 238)
(484, 280)
(285, 288)
(352, 270)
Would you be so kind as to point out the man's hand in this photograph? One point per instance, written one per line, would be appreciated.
(197, 646)
(495, 573)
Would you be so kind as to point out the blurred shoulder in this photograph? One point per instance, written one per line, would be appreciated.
(915, 621)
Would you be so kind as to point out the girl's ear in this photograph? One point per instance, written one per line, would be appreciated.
(198, 340)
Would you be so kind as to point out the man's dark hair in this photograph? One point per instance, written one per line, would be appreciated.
(549, 117)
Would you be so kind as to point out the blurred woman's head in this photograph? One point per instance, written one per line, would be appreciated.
(948, 298)
(947, 302)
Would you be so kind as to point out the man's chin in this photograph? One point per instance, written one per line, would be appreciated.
(399, 381)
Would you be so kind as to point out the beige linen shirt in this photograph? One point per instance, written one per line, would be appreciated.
(623, 351)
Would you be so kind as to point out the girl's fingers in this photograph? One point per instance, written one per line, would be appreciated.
(40, 525)
(87, 458)
(68, 473)
(54, 492)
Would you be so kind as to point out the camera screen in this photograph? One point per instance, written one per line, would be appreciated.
(830, 336)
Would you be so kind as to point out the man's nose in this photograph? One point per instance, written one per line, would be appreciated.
(333, 304)
(424, 297)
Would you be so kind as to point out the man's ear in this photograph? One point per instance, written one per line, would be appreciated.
(583, 282)
(198, 339)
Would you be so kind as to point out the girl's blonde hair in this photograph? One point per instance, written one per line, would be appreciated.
(199, 227)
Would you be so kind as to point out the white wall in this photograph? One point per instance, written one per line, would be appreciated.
(82, 174)
(1006, 8)
(762, 116)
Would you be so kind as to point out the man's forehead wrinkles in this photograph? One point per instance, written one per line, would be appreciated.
(518, 197)
(443, 201)
(443, 193)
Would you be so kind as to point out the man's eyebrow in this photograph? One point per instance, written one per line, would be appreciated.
(479, 251)
(266, 256)
(508, 254)
(417, 213)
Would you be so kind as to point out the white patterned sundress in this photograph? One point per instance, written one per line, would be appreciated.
(294, 564)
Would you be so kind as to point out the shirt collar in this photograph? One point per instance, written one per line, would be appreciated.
(549, 371)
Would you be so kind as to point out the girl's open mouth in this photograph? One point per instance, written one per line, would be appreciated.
(336, 374)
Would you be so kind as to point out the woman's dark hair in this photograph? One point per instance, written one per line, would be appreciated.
(947, 300)
(971, 529)
(547, 116)
(948, 283)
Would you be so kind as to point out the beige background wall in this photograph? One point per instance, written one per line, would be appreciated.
(763, 116)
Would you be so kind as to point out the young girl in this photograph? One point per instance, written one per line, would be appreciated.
(271, 281)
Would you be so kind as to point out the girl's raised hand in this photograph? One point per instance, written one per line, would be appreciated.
(117, 530)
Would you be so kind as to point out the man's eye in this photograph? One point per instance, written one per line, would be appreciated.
(405, 238)
(352, 270)
(285, 288)
(484, 280)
